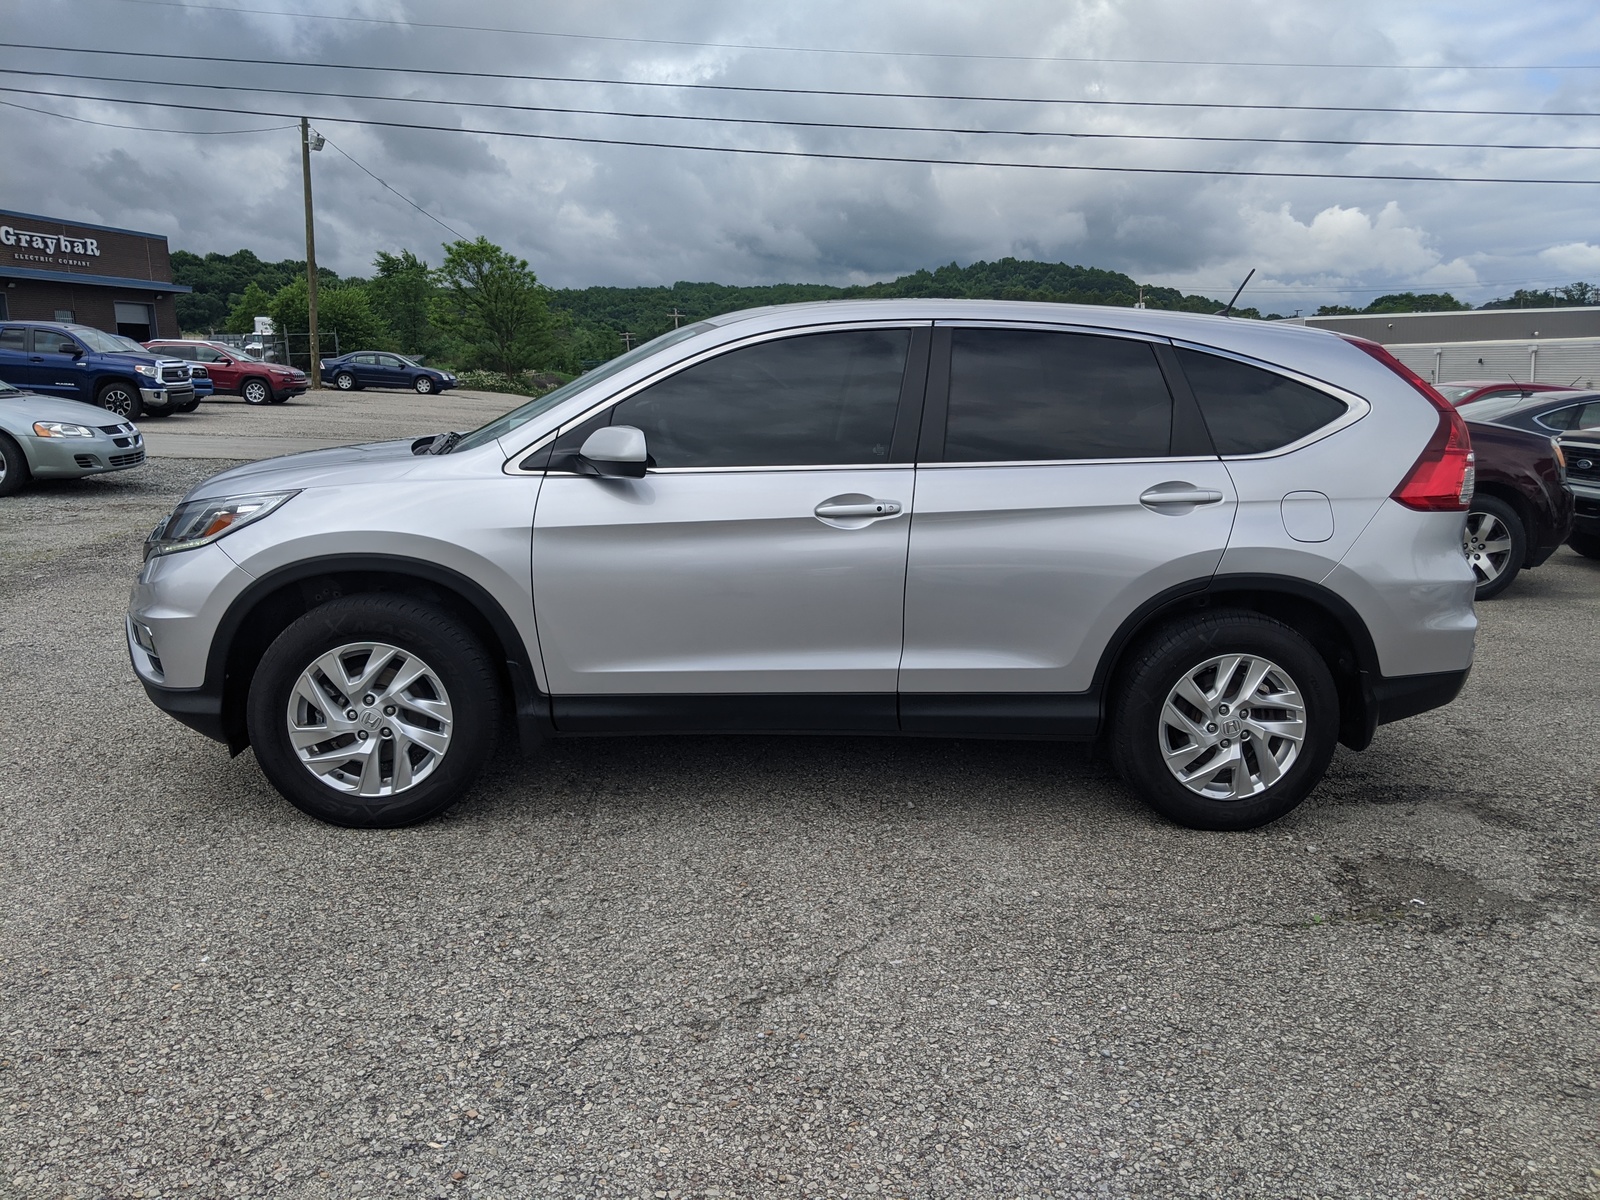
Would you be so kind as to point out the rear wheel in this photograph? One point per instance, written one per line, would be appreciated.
(13, 467)
(1586, 544)
(256, 391)
(1225, 721)
(344, 381)
(373, 711)
(122, 399)
(1495, 544)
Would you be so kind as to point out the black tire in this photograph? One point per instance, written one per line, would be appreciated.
(14, 471)
(464, 670)
(1140, 737)
(188, 406)
(1586, 544)
(345, 381)
(425, 385)
(121, 398)
(1496, 569)
(280, 399)
(256, 391)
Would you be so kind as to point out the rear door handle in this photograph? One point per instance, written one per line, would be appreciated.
(857, 508)
(1169, 494)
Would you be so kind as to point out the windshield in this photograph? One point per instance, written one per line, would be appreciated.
(1492, 408)
(7, 390)
(105, 343)
(519, 417)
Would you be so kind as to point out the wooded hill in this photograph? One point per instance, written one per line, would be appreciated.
(647, 311)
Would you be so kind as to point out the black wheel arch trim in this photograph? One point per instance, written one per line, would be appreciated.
(531, 706)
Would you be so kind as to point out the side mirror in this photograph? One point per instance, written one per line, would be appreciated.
(71, 348)
(615, 452)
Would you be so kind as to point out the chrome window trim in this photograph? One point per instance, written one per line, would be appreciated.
(513, 462)
(1356, 406)
(1067, 462)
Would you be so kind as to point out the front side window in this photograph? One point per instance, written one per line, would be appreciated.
(1251, 411)
(1023, 395)
(51, 341)
(819, 399)
(388, 360)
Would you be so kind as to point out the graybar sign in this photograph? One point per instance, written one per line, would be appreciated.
(48, 242)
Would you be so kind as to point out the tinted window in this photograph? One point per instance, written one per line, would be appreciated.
(818, 399)
(50, 341)
(1576, 416)
(388, 360)
(13, 339)
(1024, 395)
(173, 351)
(1251, 411)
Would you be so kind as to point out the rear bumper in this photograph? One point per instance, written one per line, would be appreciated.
(1396, 697)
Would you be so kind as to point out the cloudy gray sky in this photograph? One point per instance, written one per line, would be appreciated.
(586, 213)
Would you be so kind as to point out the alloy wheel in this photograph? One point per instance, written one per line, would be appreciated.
(1232, 726)
(117, 400)
(1487, 544)
(369, 719)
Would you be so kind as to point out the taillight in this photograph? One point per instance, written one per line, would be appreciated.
(1442, 478)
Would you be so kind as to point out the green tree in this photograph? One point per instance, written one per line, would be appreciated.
(494, 305)
(401, 294)
(344, 320)
(256, 302)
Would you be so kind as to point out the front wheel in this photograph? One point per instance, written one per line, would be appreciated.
(121, 399)
(1586, 544)
(1495, 544)
(1225, 721)
(373, 711)
(256, 391)
(424, 386)
(13, 467)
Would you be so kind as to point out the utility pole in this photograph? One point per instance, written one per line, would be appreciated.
(306, 147)
(628, 339)
(676, 316)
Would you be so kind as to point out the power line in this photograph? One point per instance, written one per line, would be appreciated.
(835, 156)
(843, 93)
(798, 124)
(459, 236)
(45, 112)
(1041, 58)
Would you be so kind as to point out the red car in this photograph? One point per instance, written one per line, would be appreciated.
(1463, 390)
(235, 372)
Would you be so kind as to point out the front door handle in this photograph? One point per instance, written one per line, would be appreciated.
(1166, 495)
(835, 509)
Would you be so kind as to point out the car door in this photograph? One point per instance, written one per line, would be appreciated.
(754, 577)
(391, 372)
(15, 346)
(1060, 485)
(224, 373)
(55, 364)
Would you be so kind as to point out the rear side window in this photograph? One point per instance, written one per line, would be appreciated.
(821, 399)
(1022, 395)
(1251, 411)
(1577, 416)
(13, 339)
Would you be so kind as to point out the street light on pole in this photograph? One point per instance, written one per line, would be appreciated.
(310, 141)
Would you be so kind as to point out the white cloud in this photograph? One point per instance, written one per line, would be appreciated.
(1578, 259)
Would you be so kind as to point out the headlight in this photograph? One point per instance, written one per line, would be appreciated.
(61, 429)
(201, 522)
(153, 372)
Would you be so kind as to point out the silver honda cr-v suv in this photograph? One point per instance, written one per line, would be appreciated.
(1223, 546)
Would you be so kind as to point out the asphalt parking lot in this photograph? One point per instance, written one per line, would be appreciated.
(762, 967)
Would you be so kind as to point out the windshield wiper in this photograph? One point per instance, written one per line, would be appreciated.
(445, 443)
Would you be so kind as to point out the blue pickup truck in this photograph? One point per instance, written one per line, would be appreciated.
(80, 363)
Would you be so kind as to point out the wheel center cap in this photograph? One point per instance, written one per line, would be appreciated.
(1230, 728)
(371, 719)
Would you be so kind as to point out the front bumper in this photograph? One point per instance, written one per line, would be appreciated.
(74, 458)
(164, 397)
(1585, 509)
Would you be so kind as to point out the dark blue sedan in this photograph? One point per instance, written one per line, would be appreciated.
(378, 368)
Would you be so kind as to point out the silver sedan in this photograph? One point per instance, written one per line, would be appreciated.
(42, 437)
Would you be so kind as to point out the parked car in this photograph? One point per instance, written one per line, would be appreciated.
(1521, 508)
(1548, 413)
(372, 368)
(204, 389)
(1465, 391)
(44, 437)
(1223, 545)
(237, 374)
(76, 362)
(1582, 450)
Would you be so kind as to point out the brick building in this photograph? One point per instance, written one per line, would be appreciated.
(119, 280)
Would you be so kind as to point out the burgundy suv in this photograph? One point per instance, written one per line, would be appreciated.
(1521, 510)
(237, 373)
